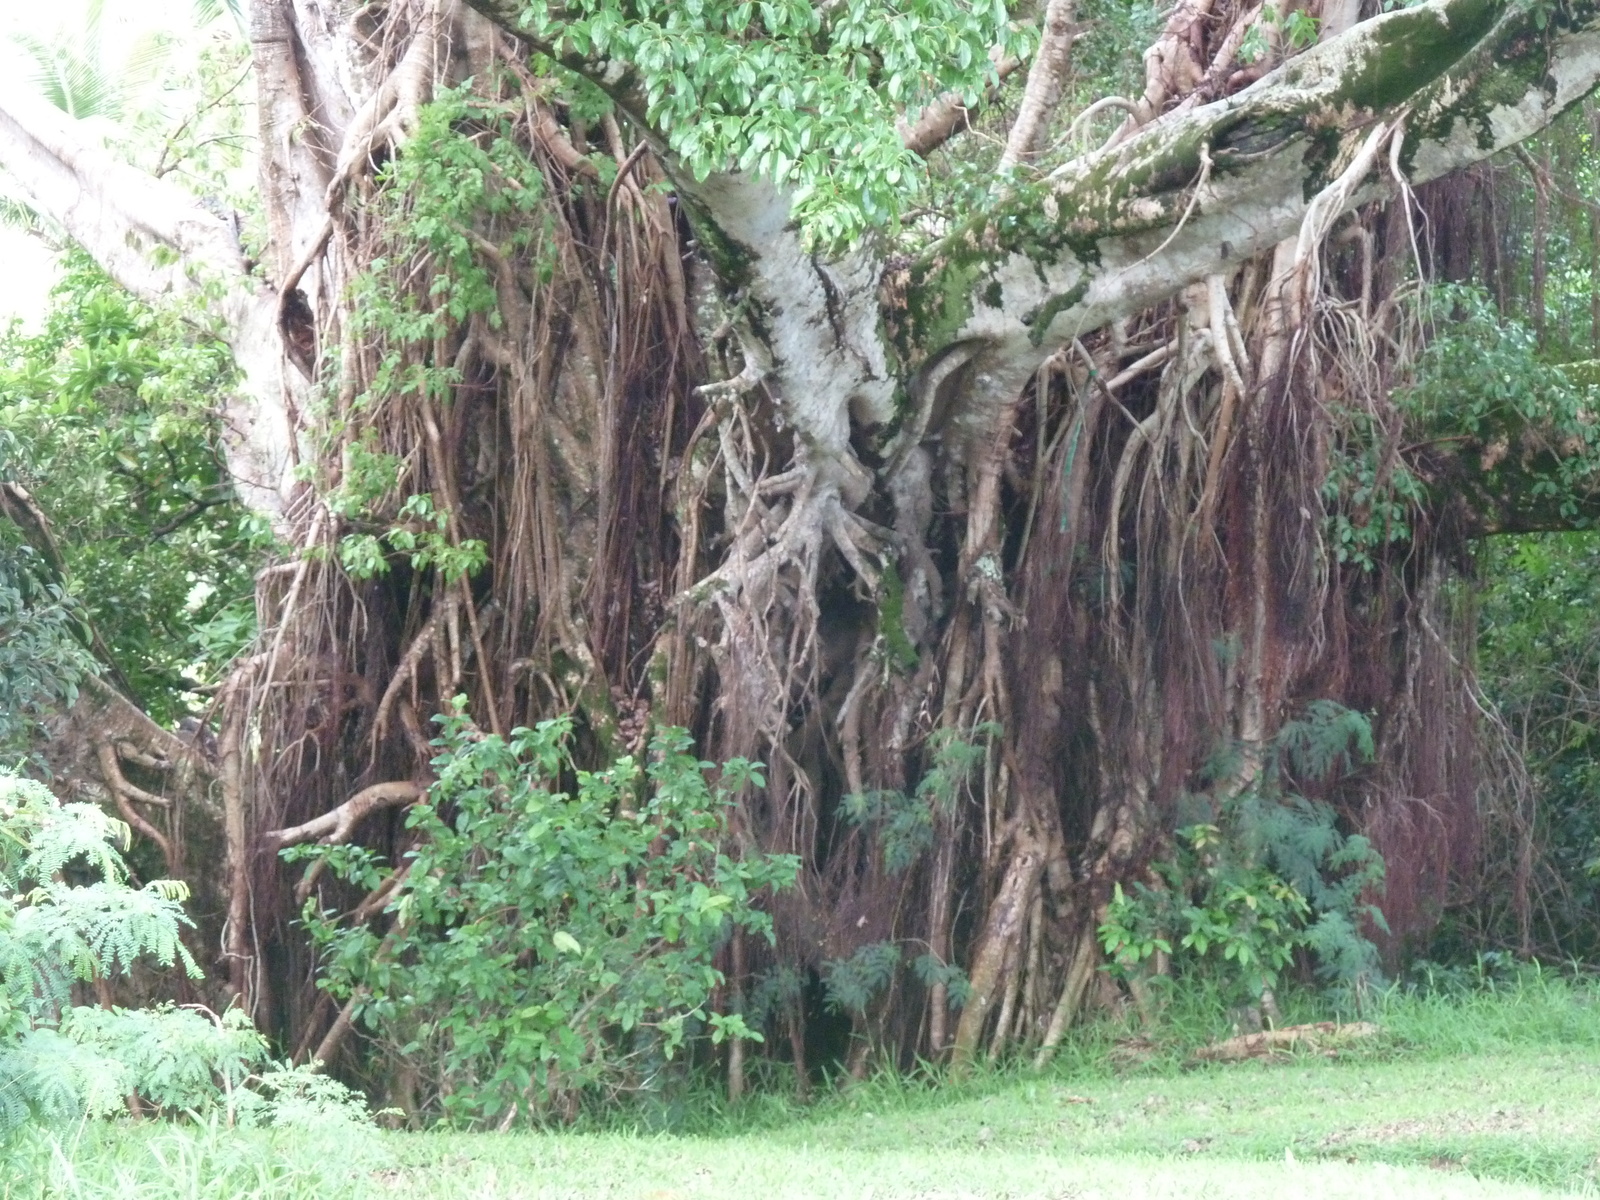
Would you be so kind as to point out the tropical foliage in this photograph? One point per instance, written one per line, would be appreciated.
(1267, 875)
(1097, 521)
(553, 929)
(108, 420)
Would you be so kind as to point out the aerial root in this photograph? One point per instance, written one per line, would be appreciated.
(124, 793)
(1328, 205)
(855, 541)
(390, 115)
(406, 671)
(1228, 345)
(757, 366)
(815, 518)
(1104, 104)
(1079, 975)
(336, 826)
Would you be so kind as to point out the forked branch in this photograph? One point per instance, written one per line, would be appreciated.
(335, 827)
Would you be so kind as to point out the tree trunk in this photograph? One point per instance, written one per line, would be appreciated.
(826, 509)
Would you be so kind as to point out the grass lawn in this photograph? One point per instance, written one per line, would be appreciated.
(1400, 1128)
(1484, 1096)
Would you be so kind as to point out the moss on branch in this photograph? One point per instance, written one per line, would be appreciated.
(1437, 64)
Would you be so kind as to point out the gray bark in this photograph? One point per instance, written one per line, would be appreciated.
(1127, 227)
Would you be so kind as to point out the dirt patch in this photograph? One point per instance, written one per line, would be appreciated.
(1500, 1121)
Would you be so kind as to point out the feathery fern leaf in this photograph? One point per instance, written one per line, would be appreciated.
(54, 932)
(175, 1058)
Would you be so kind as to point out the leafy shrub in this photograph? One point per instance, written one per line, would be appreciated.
(177, 1060)
(42, 660)
(547, 938)
(1269, 874)
(108, 416)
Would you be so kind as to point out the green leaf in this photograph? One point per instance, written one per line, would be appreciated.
(565, 942)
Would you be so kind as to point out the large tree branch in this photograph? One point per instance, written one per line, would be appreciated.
(1203, 189)
(1047, 81)
(1190, 195)
(950, 114)
(157, 241)
(301, 129)
(122, 216)
(825, 361)
(104, 713)
(1186, 197)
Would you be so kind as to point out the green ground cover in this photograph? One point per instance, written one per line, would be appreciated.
(1486, 1094)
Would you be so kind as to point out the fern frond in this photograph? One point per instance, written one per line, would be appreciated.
(290, 1097)
(31, 984)
(106, 927)
(176, 1058)
(56, 1079)
(77, 832)
(850, 983)
(1324, 739)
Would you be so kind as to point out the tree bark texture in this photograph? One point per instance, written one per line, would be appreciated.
(1051, 484)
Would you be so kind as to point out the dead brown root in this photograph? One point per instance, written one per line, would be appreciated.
(1322, 1037)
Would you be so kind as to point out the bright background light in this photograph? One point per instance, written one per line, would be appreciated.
(27, 266)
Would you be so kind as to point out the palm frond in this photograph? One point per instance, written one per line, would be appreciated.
(146, 60)
(14, 214)
(207, 11)
(73, 79)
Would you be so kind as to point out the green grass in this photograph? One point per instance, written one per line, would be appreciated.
(1491, 1093)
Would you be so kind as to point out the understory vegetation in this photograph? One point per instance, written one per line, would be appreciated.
(1481, 1084)
(70, 918)
(690, 587)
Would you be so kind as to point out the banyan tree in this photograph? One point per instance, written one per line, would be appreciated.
(833, 380)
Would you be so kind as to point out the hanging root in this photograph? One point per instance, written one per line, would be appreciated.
(1227, 344)
(124, 794)
(390, 114)
(1326, 207)
(1008, 917)
(406, 672)
(1079, 975)
(757, 366)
